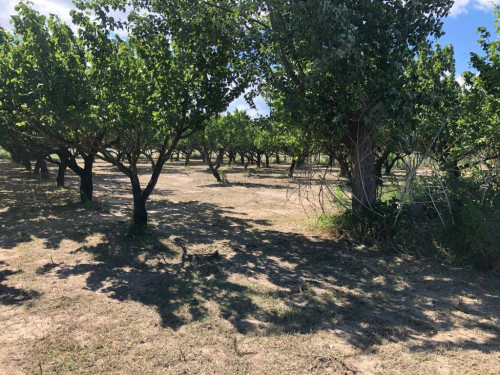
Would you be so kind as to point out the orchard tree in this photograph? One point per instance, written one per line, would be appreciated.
(338, 65)
(180, 66)
(44, 77)
(221, 135)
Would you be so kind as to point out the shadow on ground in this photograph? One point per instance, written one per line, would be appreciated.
(11, 295)
(263, 281)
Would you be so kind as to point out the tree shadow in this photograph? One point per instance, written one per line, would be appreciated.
(200, 255)
(11, 295)
(200, 260)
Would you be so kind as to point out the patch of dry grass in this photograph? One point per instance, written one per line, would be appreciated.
(221, 285)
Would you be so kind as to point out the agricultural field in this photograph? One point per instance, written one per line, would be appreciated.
(250, 187)
(228, 279)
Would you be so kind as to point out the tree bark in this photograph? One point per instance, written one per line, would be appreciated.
(267, 161)
(86, 183)
(277, 157)
(378, 166)
(291, 170)
(44, 169)
(36, 171)
(61, 173)
(26, 159)
(140, 215)
(188, 157)
(214, 167)
(390, 164)
(362, 167)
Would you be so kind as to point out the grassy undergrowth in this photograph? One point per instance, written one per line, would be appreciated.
(462, 230)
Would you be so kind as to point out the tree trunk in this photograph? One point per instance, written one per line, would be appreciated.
(330, 159)
(188, 156)
(247, 163)
(389, 165)
(26, 162)
(455, 169)
(379, 162)
(25, 158)
(44, 169)
(259, 159)
(177, 156)
(277, 157)
(15, 157)
(140, 215)
(362, 167)
(61, 172)
(267, 161)
(242, 159)
(36, 171)
(291, 170)
(86, 183)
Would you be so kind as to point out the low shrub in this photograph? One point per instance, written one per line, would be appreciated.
(462, 227)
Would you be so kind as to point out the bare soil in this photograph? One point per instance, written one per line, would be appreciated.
(229, 279)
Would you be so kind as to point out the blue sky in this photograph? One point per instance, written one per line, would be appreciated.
(460, 28)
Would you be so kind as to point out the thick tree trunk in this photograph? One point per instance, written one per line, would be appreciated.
(26, 161)
(86, 183)
(242, 158)
(259, 159)
(215, 173)
(344, 169)
(44, 169)
(362, 167)
(140, 215)
(379, 162)
(61, 173)
(220, 158)
(330, 159)
(267, 161)
(277, 157)
(36, 171)
(188, 156)
(389, 165)
(86, 187)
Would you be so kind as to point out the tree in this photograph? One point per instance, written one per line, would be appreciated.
(337, 64)
(47, 96)
(174, 72)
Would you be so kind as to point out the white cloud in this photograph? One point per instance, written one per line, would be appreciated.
(61, 8)
(240, 104)
(463, 6)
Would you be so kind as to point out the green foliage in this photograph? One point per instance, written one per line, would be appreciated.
(469, 236)
(4, 154)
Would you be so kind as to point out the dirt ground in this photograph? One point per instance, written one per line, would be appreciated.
(229, 279)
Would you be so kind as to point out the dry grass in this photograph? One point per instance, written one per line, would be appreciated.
(228, 280)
